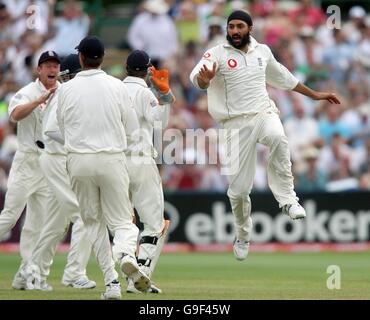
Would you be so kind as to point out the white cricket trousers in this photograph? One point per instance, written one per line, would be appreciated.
(26, 185)
(147, 197)
(100, 181)
(63, 209)
(146, 194)
(265, 128)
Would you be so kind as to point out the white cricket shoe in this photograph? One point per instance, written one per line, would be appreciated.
(112, 291)
(294, 211)
(44, 286)
(131, 288)
(19, 282)
(241, 249)
(132, 270)
(82, 283)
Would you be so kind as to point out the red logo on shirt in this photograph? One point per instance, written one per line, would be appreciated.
(232, 63)
(206, 55)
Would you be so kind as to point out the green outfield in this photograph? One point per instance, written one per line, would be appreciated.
(218, 276)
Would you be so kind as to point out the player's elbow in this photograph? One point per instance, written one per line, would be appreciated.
(194, 79)
(15, 116)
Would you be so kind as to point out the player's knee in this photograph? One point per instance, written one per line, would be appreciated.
(278, 140)
(239, 194)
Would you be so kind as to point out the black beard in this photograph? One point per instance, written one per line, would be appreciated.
(246, 40)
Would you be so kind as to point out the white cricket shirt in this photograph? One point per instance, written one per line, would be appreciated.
(239, 87)
(148, 111)
(94, 110)
(29, 129)
(50, 124)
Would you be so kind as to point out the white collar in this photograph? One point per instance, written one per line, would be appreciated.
(89, 72)
(40, 85)
(137, 80)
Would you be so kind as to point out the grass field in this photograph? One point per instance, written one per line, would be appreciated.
(219, 276)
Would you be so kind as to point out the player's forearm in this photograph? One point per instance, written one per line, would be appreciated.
(301, 88)
(24, 110)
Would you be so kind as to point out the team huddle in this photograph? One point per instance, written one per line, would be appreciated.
(71, 167)
(86, 156)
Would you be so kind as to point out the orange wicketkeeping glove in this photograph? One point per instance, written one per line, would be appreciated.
(159, 80)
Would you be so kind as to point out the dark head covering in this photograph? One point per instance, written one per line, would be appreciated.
(240, 15)
(48, 55)
(138, 60)
(91, 47)
(70, 65)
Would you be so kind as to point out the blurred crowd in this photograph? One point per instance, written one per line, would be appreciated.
(330, 144)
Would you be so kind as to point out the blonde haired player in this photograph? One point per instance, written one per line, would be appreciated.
(235, 76)
(26, 183)
(63, 207)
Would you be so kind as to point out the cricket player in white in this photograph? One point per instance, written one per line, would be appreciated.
(235, 76)
(26, 184)
(145, 182)
(94, 114)
(63, 207)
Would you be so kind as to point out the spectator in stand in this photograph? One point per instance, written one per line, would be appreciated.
(186, 21)
(352, 117)
(206, 10)
(339, 58)
(6, 30)
(363, 49)
(154, 32)
(330, 124)
(312, 178)
(68, 29)
(335, 159)
(277, 27)
(32, 15)
(24, 55)
(188, 57)
(302, 131)
(216, 31)
(352, 28)
(308, 57)
(307, 14)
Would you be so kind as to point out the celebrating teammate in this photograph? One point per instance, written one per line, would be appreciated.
(26, 184)
(145, 183)
(95, 114)
(63, 207)
(235, 76)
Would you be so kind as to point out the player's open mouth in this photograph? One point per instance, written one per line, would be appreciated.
(52, 77)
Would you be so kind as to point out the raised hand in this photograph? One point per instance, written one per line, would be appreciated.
(205, 75)
(159, 79)
(46, 96)
(331, 97)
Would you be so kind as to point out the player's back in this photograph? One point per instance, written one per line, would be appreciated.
(93, 105)
(143, 101)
